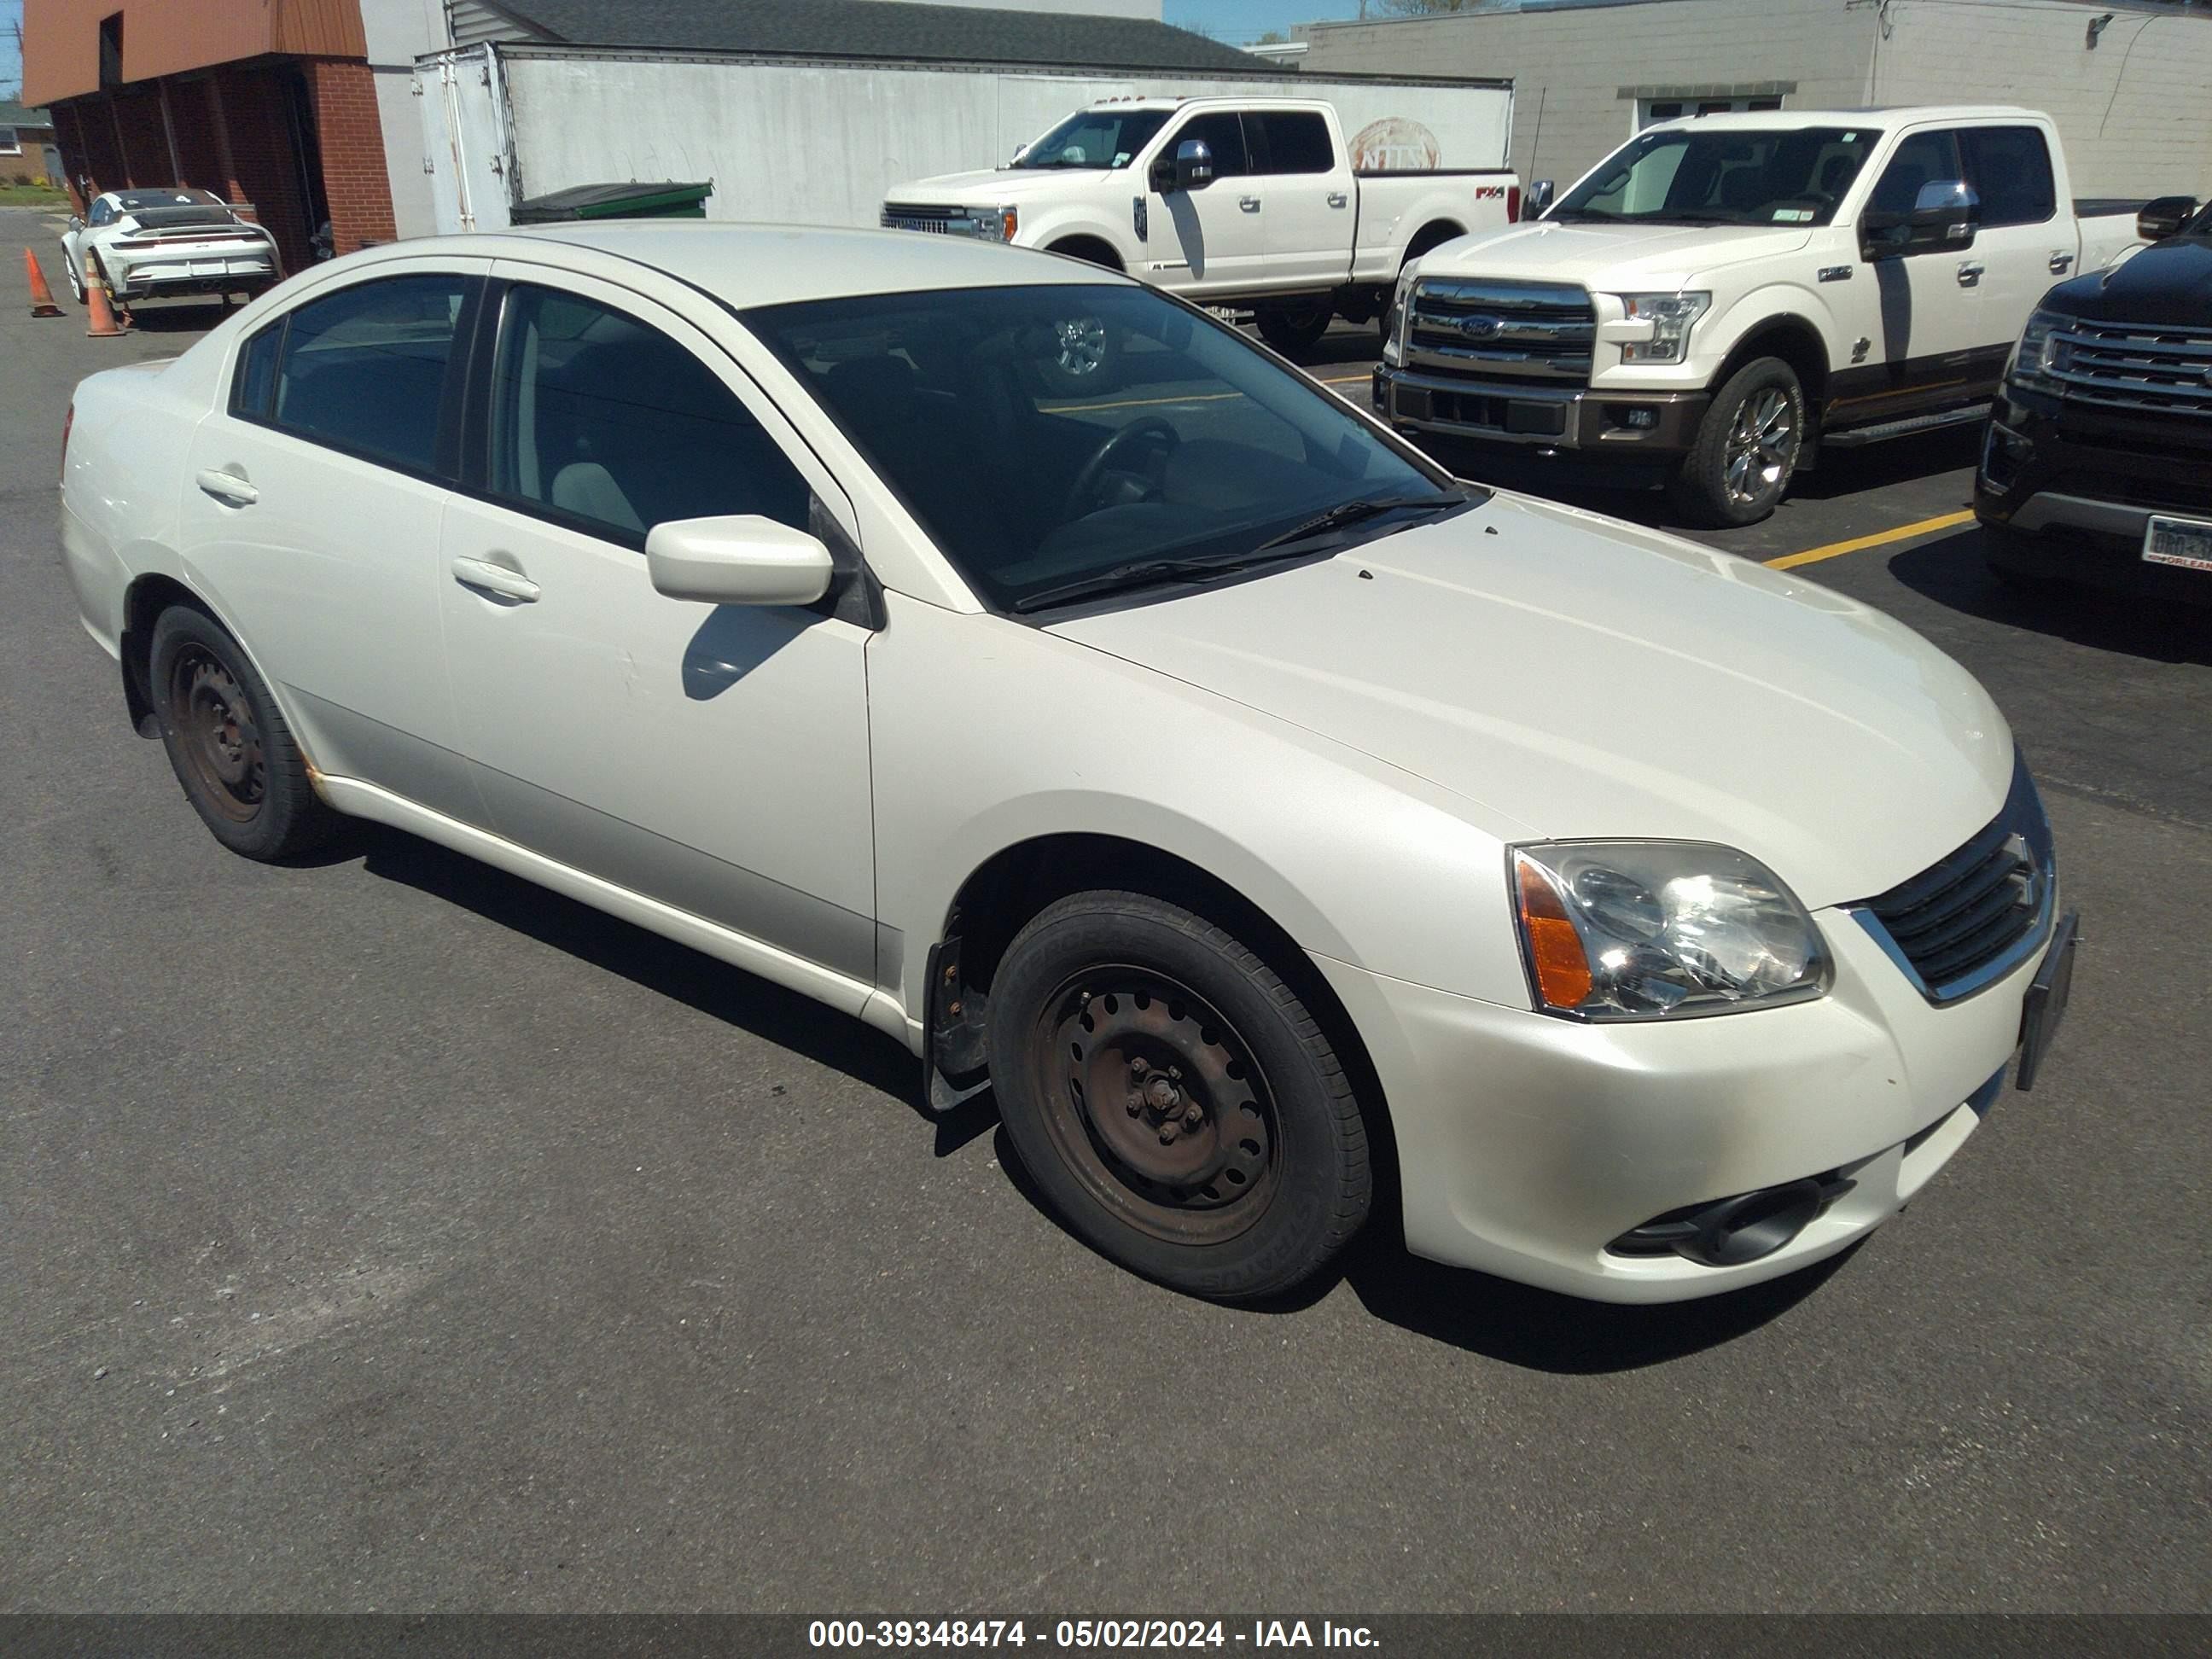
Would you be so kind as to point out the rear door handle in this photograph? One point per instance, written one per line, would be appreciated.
(1249, 204)
(1337, 198)
(489, 578)
(1969, 275)
(227, 486)
(2060, 258)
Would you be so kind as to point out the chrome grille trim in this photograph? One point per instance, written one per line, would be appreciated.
(1977, 914)
(1535, 330)
(2136, 366)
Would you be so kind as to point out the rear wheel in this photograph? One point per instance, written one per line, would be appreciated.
(1295, 330)
(228, 741)
(1176, 1101)
(75, 280)
(1747, 448)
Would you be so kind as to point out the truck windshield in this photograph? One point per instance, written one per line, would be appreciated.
(1066, 441)
(1694, 175)
(1095, 138)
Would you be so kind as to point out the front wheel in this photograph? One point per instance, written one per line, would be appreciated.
(1178, 1104)
(75, 280)
(1747, 448)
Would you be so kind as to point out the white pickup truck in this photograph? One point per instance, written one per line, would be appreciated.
(1255, 201)
(1724, 295)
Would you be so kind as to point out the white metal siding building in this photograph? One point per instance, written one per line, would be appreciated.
(2130, 95)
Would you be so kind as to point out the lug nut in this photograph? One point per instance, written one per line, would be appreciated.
(1136, 1105)
(1192, 1118)
(1137, 1067)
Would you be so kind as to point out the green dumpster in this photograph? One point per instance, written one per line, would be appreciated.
(629, 201)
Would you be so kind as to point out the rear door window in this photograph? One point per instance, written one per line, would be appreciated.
(364, 370)
(1291, 141)
(2009, 168)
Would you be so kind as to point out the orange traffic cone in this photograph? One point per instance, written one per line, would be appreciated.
(103, 325)
(42, 297)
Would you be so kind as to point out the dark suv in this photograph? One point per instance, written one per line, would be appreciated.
(2097, 466)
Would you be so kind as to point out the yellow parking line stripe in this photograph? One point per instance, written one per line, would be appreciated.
(1346, 380)
(1137, 402)
(1837, 550)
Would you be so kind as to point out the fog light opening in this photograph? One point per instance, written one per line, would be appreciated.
(1731, 1232)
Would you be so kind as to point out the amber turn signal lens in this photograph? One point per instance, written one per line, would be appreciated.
(1555, 950)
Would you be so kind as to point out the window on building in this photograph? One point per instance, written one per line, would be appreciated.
(606, 423)
(11, 143)
(110, 50)
(364, 370)
(1649, 110)
(1291, 141)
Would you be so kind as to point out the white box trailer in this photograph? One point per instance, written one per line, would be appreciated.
(819, 141)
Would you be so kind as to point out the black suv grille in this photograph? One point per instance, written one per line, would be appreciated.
(2137, 366)
(1966, 918)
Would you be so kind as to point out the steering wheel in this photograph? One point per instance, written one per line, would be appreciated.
(1083, 494)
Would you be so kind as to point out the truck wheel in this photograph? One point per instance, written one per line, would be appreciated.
(1177, 1103)
(228, 741)
(1738, 470)
(1296, 329)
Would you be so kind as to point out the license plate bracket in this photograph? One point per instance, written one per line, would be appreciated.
(2045, 1006)
(2183, 543)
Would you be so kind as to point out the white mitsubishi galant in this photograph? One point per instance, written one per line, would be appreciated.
(1270, 818)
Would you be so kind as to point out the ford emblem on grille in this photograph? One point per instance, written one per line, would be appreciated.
(1480, 328)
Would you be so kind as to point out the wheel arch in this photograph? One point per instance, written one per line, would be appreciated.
(1091, 249)
(149, 595)
(999, 896)
(1794, 339)
(1432, 235)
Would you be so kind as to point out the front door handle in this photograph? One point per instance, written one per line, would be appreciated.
(228, 487)
(1969, 275)
(1337, 198)
(494, 579)
(2060, 259)
(1249, 204)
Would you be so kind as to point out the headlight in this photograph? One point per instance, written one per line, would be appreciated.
(1642, 930)
(995, 224)
(2035, 360)
(1671, 317)
(1394, 346)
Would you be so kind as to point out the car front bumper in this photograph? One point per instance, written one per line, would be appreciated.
(1527, 1144)
(1630, 427)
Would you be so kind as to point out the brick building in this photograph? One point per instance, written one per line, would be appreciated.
(2125, 79)
(26, 137)
(272, 104)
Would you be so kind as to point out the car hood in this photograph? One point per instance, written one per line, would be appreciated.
(2168, 281)
(1616, 258)
(1574, 676)
(994, 186)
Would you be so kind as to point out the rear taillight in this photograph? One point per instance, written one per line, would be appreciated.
(133, 247)
(1512, 205)
(69, 420)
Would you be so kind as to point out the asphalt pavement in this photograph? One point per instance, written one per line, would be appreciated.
(384, 1232)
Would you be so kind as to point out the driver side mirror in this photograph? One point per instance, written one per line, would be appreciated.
(2164, 216)
(742, 559)
(1020, 150)
(1538, 198)
(75, 222)
(1191, 169)
(1943, 218)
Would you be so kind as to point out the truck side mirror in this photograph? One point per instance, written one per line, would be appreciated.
(1942, 219)
(1020, 150)
(2164, 216)
(1191, 168)
(1538, 198)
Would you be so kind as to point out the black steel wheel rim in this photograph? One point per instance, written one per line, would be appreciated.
(218, 734)
(1157, 1104)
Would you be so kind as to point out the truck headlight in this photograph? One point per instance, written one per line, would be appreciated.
(996, 224)
(1394, 345)
(1671, 317)
(2035, 358)
(1647, 929)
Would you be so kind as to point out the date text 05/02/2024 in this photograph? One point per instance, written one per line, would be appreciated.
(1085, 1633)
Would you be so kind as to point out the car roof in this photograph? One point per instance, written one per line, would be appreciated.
(1909, 114)
(747, 265)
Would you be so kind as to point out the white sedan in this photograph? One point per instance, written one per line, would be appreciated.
(147, 243)
(1273, 820)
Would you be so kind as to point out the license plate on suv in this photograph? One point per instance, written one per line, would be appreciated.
(2183, 541)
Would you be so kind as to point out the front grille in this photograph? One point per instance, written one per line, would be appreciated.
(2136, 366)
(1968, 918)
(1528, 329)
(897, 215)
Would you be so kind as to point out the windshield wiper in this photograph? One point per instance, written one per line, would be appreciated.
(1571, 215)
(1145, 572)
(1347, 514)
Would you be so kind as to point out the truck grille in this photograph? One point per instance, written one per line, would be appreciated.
(1969, 918)
(1526, 329)
(896, 216)
(2136, 366)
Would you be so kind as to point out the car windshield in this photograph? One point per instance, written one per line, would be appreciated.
(1691, 175)
(1093, 437)
(134, 201)
(1098, 138)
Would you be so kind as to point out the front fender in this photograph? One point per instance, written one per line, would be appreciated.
(1061, 222)
(1720, 335)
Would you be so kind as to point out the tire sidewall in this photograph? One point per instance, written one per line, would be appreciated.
(1702, 483)
(1059, 382)
(286, 801)
(1291, 1238)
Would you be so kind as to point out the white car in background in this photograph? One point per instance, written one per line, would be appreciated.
(144, 243)
(1261, 812)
